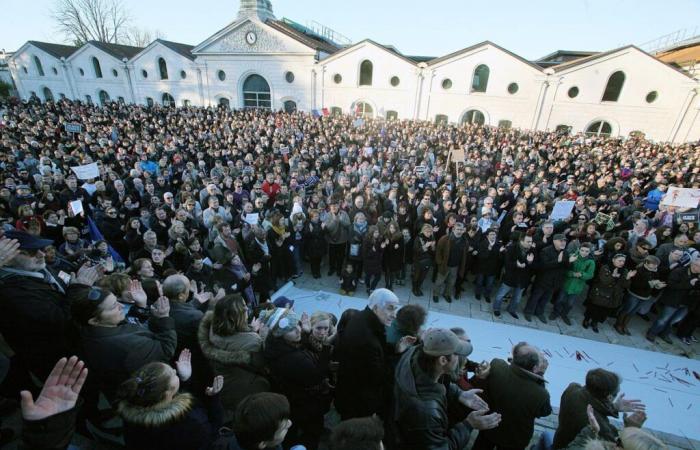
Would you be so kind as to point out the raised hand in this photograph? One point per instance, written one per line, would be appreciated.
(161, 308)
(635, 419)
(483, 370)
(138, 295)
(60, 391)
(624, 405)
(471, 400)
(481, 421)
(184, 365)
(216, 386)
(9, 248)
(305, 323)
(404, 343)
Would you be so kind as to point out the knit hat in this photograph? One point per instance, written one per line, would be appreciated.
(279, 321)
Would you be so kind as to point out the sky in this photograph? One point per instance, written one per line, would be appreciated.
(529, 28)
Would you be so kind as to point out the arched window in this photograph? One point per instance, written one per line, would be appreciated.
(336, 111)
(256, 92)
(39, 67)
(480, 79)
(290, 106)
(104, 98)
(614, 86)
(366, 69)
(168, 100)
(96, 67)
(223, 101)
(163, 67)
(599, 128)
(563, 129)
(392, 115)
(88, 99)
(48, 95)
(149, 102)
(473, 116)
(364, 109)
(441, 119)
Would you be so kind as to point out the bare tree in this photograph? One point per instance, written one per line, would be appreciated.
(91, 20)
(140, 37)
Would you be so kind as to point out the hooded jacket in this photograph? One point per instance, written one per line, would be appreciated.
(421, 408)
(179, 424)
(238, 358)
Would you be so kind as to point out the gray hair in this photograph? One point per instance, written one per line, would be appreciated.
(525, 356)
(175, 285)
(380, 297)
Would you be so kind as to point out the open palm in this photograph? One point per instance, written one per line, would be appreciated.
(60, 391)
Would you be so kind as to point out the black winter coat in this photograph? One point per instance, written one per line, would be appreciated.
(364, 372)
(372, 255)
(35, 320)
(513, 275)
(488, 262)
(314, 240)
(550, 273)
(422, 407)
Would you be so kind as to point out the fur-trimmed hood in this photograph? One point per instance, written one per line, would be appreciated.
(235, 349)
(159, 414)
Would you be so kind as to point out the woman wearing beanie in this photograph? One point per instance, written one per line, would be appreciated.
(302, 376)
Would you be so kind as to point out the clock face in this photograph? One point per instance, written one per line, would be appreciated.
(251, 37)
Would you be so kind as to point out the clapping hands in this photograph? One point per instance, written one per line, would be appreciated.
(216, 386)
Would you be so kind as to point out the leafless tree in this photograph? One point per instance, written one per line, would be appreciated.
(91, 20)
(140, 37)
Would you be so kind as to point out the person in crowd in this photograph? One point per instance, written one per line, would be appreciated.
(682, 291)
(364, 371)
(580, 272)
(643, 286)
(489, 258)
(373, 247)
(261, 421)
(602, 393)
(423, 258)
(423, 400)
(35, 318)
(157, 414)
(607, 292)
(550, 269)
(337, 227)
(409, 322)
(517, 392)
(113, 348)
(450, 261)
(302, 376)
(518, 262)
(234, 349)
(315, 242)
(362, 433)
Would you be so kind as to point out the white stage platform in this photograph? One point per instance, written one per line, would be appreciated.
(666, 383)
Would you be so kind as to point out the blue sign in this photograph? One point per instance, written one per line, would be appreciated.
(73, 128)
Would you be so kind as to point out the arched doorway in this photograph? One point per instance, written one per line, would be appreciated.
(104, 97)
(256, 92)
(48, 95)
(364, 110)
(223, 101)
(473, 116)
(168, 100)
(290, 106)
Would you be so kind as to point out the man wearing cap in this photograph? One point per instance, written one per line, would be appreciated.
(425, 395)
(550, 272)
(365, 374)
(34, 310)
(517, 392)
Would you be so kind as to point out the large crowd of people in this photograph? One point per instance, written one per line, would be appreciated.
(157, 272)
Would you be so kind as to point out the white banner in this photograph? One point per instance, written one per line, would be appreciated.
(86, 171)
(562, 209)
(681, 197)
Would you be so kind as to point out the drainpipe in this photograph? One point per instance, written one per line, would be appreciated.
(65, 67)
(419, 89)
(558, 82)
(430, 95)
(674, 133)
(541, 99)
(20, 85)
(313, 88)
(200, 86)
(129, 80)
(323, 86)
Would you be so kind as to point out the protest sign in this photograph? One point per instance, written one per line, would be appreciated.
(251, 218)
(73, 127)
(86, 171)
(681, 197)
(562, 209)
